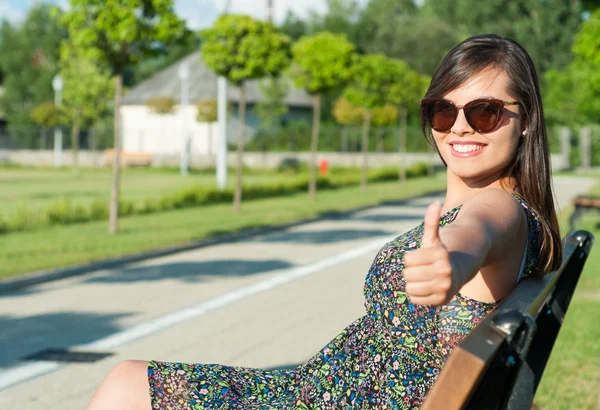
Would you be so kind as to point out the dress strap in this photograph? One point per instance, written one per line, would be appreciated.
(524, 258)
(529, 227)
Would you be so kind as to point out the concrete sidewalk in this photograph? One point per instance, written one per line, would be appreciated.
(268, 301)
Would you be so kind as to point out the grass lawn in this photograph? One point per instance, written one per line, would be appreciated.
(37, 187)
(60, 246)
(572, 377)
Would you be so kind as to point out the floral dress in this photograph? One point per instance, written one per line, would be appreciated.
(386, 359)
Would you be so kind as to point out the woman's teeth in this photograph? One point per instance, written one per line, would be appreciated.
(466, 148)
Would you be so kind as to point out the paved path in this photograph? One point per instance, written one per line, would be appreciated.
(269, 301)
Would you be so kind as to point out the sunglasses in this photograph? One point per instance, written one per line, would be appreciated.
(483, 115)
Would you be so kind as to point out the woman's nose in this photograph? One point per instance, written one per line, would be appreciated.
(461, 126)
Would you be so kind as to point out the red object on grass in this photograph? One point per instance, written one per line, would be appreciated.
(323, 167)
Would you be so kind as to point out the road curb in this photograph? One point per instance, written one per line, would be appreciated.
(36, 278)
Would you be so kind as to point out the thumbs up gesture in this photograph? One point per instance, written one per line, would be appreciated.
(427, 270)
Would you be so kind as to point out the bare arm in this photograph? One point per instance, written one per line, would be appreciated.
(483, 232)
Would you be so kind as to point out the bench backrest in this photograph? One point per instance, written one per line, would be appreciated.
(500, 363)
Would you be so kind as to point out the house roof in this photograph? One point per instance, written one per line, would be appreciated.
(202, 86)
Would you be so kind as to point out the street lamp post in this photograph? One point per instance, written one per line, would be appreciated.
(222, 118)
(57, 85)
(184, 75)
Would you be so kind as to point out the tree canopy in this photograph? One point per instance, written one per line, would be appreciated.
(374, 77)
(241, 48)
(88, 87)
(573, 94)
(29, 54)
(322, 62)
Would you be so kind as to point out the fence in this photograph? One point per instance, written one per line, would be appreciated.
(581, 146)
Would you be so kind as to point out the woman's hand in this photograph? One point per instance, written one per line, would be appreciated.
(428, 271)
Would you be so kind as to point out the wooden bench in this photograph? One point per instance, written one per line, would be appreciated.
(128, 158)
(583, 203)
(500, 363)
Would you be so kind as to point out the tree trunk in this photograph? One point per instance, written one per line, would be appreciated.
(75, 146)
(402, 144)
(237, 198)
(114, 196)
(210, 149)
(312, 186)
(365, 149)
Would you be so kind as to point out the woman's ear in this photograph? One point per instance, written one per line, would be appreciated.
(523, 127)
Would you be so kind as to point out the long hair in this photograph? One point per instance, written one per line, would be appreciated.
(531, 163)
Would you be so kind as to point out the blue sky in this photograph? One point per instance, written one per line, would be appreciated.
(197, 13)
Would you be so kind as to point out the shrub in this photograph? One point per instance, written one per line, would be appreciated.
(147, 206)
(3, 225)
(417, 170)
(126, 207)
(98, 210)
(62, 211)
(23, 218)
(161, 105)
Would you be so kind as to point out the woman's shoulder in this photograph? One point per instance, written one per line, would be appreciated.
(494, 204)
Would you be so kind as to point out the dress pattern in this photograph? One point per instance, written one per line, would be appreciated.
(386, 359)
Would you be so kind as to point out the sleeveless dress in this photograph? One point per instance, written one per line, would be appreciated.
(387, 359)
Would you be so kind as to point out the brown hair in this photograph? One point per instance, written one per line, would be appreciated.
(531, 163)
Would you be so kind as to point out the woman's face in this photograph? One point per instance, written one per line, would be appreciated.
(480, 157)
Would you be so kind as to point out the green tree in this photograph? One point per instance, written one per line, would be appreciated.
(322, 63)
(154, 63)
(341, 18)
(345, 113)
(241, 48)
(121, 33)
(88, 89)
(374, 77)
(161, 104)
(397, 28)
(546, 28)
(293, 26)
(405, 93)
(48, 115)
(573, 95)
(274, 91)
(29, 55)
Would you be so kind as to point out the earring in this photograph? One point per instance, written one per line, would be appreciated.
(524, 132)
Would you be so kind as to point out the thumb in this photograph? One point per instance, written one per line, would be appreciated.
(431, 236)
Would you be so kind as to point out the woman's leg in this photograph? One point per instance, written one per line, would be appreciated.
(125, 387)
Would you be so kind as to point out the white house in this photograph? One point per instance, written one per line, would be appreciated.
(145, 131)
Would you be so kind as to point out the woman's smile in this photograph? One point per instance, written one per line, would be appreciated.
(466, 149)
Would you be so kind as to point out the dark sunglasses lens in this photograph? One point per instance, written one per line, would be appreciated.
(442, 116)
(484, 115)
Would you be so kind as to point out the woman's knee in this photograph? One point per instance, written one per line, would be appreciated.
(128, 370)
(125, 386)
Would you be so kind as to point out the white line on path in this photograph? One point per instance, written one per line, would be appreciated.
(25, 372)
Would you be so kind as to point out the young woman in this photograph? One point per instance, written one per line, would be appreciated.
(430, 286)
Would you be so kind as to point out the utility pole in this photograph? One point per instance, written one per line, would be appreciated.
(221, 171)
(270, 11)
